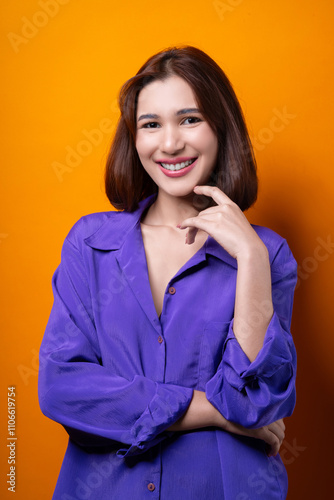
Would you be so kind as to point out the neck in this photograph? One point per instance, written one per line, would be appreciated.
(170, 210)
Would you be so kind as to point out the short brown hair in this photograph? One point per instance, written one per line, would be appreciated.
(126, 181)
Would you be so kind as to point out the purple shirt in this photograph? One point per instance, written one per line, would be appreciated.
(116, 376)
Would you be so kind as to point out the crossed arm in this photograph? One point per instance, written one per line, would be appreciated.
(230, 228)
(201, 413)
(249, 394)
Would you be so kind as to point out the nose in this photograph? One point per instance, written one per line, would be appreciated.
(171, 140)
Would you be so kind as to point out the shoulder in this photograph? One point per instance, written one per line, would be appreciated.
(272, 240)
(280, 256)
(103, 226)
(105, 230)
(89, 224)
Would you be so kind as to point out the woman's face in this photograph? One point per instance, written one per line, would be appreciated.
(175, 144)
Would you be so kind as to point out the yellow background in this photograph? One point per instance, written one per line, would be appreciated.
(61, 74)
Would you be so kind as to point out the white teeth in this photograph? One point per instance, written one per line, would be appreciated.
(177, 166)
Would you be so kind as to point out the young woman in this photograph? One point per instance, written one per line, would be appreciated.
(168, 356)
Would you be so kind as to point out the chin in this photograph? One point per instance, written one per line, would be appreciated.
(180, 191)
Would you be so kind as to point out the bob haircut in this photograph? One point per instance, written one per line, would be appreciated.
(126, 181)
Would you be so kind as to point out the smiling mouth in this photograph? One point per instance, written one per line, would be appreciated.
(174, 167)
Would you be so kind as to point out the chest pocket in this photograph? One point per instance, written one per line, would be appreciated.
(211, 351)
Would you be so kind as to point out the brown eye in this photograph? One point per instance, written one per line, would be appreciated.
(191, 120)
(150, 125)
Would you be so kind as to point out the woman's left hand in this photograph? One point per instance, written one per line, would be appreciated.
(273, 434)
(225, 222)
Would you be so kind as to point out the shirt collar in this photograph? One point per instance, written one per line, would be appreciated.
(113, 232)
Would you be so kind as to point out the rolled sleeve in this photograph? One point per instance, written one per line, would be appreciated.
(167, 406)
(257, 393)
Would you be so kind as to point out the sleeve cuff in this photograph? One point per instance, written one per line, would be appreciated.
(167, 406)
(277, 350)
(255, 393)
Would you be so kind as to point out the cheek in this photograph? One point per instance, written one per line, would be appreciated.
(208, 143)
(143, 146)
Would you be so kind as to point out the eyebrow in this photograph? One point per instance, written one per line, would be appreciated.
(185, 111)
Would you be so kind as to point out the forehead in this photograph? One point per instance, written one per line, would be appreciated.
(163, 96)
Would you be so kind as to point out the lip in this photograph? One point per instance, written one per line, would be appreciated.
(177, 173)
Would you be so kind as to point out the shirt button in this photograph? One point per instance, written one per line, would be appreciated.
(171, 290)
(160, 339)
(151, 486)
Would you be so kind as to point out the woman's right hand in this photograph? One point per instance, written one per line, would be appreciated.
(273, 434)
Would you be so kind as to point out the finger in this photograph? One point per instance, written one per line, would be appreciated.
(281, 423)
(271, 440)
(217, 209)
(278, 430)
(191, 235)
(273, 443)
(274, 449)
(209, 216)
(216, 194)
(198, 222)
(276, 439)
